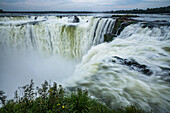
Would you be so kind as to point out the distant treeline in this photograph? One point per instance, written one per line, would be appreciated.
(148, 10)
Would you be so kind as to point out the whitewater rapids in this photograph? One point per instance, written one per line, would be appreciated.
(118, 85)
(99, 68)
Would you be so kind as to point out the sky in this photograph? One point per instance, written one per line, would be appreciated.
(79, 5)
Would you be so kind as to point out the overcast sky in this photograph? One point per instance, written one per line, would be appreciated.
(75, 5)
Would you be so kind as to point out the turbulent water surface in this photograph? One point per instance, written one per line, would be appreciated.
(132, 69)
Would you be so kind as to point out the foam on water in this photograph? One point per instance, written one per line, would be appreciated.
(43, 49)
(63, 44)
(117, 84)
(55, 35)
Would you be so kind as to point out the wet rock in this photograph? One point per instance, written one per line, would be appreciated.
(120, 24)
(160, 21)
(74, 19)
(134, 65)
(109, 37)
(36, 18)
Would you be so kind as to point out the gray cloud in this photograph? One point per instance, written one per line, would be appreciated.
(157, 0)
(79, 4)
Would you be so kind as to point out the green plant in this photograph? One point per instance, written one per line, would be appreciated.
(2, 97)
(53, 99)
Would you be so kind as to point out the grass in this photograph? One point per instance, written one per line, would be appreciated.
(55, 99)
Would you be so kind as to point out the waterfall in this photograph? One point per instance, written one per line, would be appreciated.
(116, 72)
(133, 69)
(160, 33)
(55, 35)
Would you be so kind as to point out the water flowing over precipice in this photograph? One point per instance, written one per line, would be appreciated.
(131, 69)
(55, 35)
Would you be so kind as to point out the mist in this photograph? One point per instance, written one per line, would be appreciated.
(17, 69)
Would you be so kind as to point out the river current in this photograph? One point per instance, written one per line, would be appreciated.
(133, 69)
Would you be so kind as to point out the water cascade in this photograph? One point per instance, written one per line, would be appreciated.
(56, 35)
(133, 69)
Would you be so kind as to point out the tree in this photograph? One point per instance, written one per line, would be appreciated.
(2, 97)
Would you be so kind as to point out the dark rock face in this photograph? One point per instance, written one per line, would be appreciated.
(74, 19)
(109, 37)
(120, 24)
(134, 65)
(123, 21)
(160, 21)
(35, 18)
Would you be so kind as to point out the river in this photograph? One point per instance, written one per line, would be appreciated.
(133, 69)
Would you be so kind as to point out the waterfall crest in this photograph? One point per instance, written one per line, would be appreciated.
(133, 69)
(55, 35)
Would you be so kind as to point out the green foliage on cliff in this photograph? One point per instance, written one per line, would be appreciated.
(54, 99)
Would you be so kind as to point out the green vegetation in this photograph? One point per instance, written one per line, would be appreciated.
(2, 97)
(53, 99)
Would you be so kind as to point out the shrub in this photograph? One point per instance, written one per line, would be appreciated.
(53, 99)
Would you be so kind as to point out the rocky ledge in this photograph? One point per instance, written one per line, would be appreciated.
(74, 19)
(120, 24)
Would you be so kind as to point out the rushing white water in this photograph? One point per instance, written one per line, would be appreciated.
(104, 69)
(118, 85)
(34, 49)
(56, 35)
